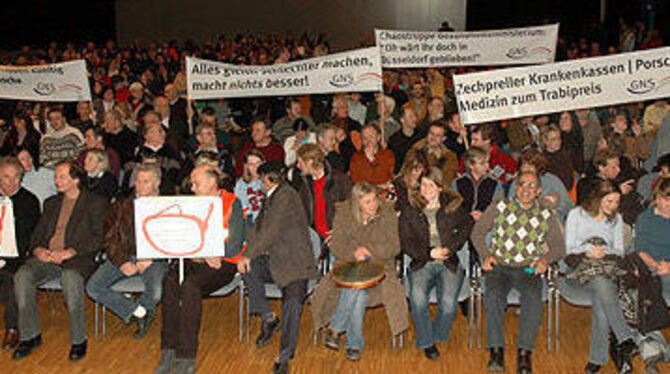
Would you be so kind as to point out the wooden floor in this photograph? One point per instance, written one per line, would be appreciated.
(220, 351)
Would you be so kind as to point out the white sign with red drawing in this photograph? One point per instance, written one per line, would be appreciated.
(179, 227)
(7, 233)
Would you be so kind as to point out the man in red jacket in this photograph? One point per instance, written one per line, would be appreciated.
(261, 136)
(503, 166)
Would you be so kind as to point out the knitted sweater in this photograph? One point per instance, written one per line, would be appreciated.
(60, 145)
(519, 236)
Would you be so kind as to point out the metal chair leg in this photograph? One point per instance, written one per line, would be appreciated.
(240, 315)
(471, 318)
(104, 325)
(557, 316)
(479, 313)
(248, 316)
(549, 318)
(95, 308)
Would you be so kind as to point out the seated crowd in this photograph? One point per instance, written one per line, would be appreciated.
(375, 177)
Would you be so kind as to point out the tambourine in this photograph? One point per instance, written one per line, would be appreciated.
(358, 274)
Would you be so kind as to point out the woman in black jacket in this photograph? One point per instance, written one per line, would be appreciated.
(22, 135)
(98, 178)
(432, 228)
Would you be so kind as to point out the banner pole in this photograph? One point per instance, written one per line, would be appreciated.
(181, 270)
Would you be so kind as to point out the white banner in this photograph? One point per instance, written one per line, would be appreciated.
(591, 82)
(356, 70)
(7, 233)
(420, 49)
(179, 227)
(66, 81)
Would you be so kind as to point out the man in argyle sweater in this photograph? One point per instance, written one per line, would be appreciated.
(525, 238)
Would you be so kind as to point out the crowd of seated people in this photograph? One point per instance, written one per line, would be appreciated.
(373, 175)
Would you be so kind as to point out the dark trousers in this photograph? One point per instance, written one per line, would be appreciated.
(11, 316)
(293, 296)
(182, 304)
(499, 282)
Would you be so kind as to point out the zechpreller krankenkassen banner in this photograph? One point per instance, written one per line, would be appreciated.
(67, 81)
(352, 71)
(421, 49)
(591, 82)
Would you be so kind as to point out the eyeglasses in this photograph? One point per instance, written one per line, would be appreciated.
(528, 185)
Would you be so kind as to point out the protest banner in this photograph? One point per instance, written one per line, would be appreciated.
(7, 233)
(421, 49)
(352, 71)
(591, 82)
(67, 81)
(179, 227)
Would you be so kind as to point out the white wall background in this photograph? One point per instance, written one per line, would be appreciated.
(345, 21)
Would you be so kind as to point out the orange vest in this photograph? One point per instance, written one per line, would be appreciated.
(227, 200)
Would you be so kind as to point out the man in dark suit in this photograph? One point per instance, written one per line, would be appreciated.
(279, 251)
(64, 245)
(26, 209)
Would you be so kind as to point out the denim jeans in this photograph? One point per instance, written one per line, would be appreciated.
(447, 285)
(34, 273)
(499, 282)
(99, 288)
(606, 314)
(349, 316)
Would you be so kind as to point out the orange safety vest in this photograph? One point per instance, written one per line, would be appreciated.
(228, 199)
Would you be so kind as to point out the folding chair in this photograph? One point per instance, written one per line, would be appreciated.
(54, 285)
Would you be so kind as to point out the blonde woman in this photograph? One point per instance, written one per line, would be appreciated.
(98, 179)
(364, 228)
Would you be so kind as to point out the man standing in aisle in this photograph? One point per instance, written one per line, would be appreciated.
(279, 250)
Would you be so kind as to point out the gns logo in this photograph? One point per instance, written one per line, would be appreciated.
(641, 86)
(517, 53)
(644, 86)
(44, 89)
(341, 80)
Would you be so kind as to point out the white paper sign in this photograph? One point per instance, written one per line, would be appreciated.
(420, 49)
(179, 227)
(352, 71)
(590, 82)
(7, 233)
(66, 81)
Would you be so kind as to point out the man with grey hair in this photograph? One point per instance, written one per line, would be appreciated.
(26, 209)
(326, 139)
(121, 263)
(526, 238)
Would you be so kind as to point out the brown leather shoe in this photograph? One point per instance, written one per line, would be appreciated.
(11, 340)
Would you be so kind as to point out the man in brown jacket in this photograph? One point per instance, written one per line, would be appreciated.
(437, 154)
(279, 251)
(121, 263)
(64, 245)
